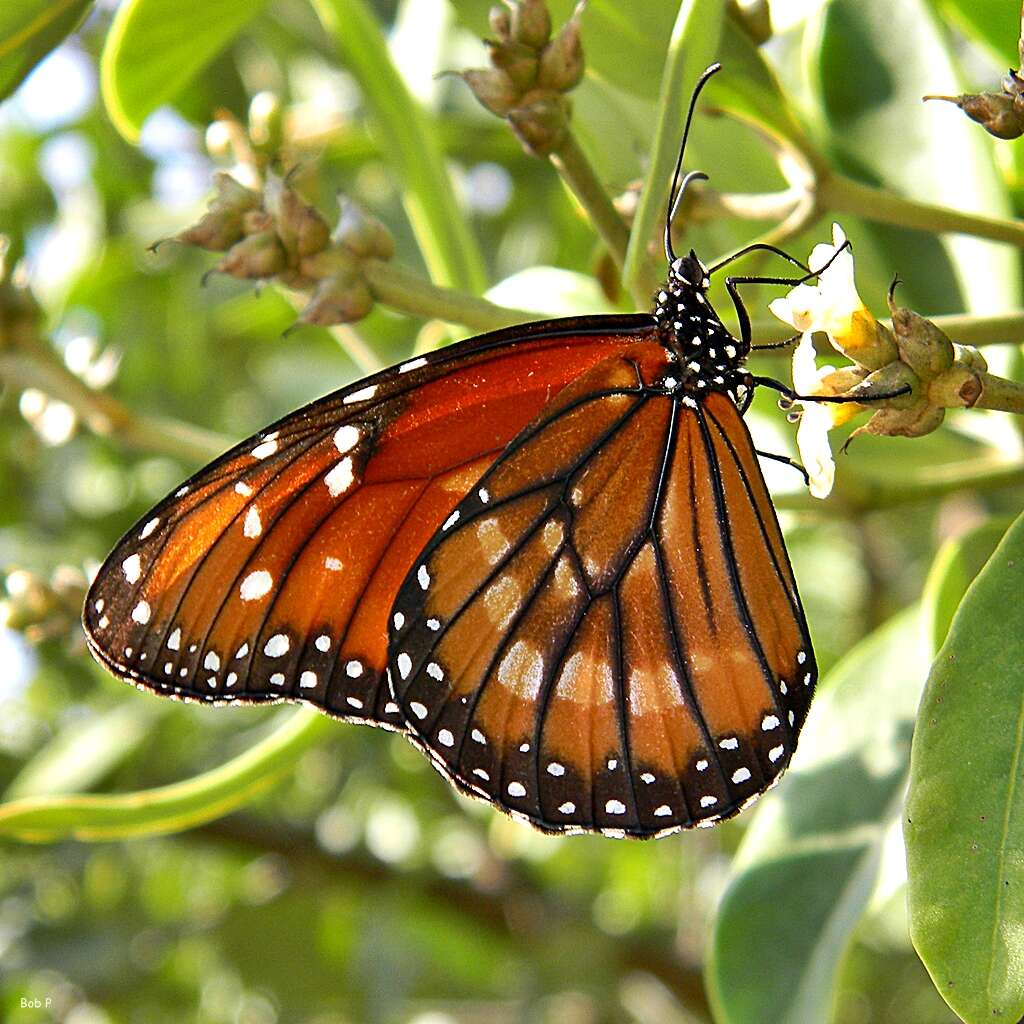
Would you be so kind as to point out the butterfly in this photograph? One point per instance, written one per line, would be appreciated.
(546, 555)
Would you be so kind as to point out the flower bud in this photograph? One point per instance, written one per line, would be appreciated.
(256, 256)
(223, 223)
(996, 112)
(493, 88)
(501, 22)
(362, 234)
(958, 387)
(922, 346)
(299, 226)
(919, 419)
(561, 63)
(531, 23)
(266, 121)
(341, 299)
(540, 123)
(517, 61)
(332, 262)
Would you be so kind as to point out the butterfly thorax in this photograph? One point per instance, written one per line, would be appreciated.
(708, 356)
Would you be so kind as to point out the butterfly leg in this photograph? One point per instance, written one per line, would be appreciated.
(786, 461)
(792, 396)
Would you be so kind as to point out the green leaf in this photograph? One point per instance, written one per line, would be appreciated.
(410, 140)
(809, 861)
(29, 30)
(964, 827)
(956, 564)
(993, 23)
(182, 805)
(156, 47)
(874, 62)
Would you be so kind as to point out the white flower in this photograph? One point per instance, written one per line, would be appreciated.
(815, 421)
(830, 304)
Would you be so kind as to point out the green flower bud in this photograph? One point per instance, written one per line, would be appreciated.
(519, 62)
(996, 112)
(223, 224)
(541, 122)
(363, 234)
(266, 121)
(256, 256)
(561, 63)
(299, 226)
(531, 23)
(493, 88)
(922, 346)
(501, 22)
(338, 300)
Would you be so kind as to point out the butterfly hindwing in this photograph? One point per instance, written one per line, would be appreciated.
(578, 644)
(271, 574)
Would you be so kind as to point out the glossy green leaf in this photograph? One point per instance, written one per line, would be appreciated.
(692, 47)
(809, 861)
(956, 564)
(29, 30)
(964, 825)
(993, 23)
(874, 62)
(410, 140)
(156, 47)
(181, 805)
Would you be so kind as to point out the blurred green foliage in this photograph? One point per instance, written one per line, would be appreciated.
(359, 888)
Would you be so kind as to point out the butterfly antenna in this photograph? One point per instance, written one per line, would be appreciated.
(678, 188)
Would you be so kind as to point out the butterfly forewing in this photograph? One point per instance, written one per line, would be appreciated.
(272, 573)
(578, 644)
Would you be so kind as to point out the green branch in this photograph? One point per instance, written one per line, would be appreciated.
(577, 172)
(410, 140)
(840, 194)
(173, 808)
(407, 292)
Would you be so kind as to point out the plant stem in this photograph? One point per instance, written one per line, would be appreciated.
(1001, 329)
(103, 414)
(171, 808)
(578, 173)
(405, 291)
(840, 194)
(1001, 394)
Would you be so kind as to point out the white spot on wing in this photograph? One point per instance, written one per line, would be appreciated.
(362, 395)
(141, 612)
(340, 478)
(277, 679)
(253, 526)
(333, 564)
(132, 568)
(567, 808)
(663, 811)
(516, 789)
(149, 528)
(775, 753)
(615, 807)
(266, 448)
(277, 645)
(423, 576)
(729, 743)
(418, 709)
(174, 640)
(404, 665)
(708, 801)
(308, 679)
(212, 661)
(354, 669)
(435, 671)
(398, 619)
(445, 738)
(256, 585)
(346, 438)
(243, 489)
(769, 722)
(741, 775)
(556, 769)
(322, 643)
(413, 364)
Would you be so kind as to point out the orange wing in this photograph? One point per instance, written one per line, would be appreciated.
(271, 574)
(605, 634)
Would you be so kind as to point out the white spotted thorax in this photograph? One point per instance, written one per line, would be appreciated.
(708, 357)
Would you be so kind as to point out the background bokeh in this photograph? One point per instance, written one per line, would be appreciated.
(361, 888)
